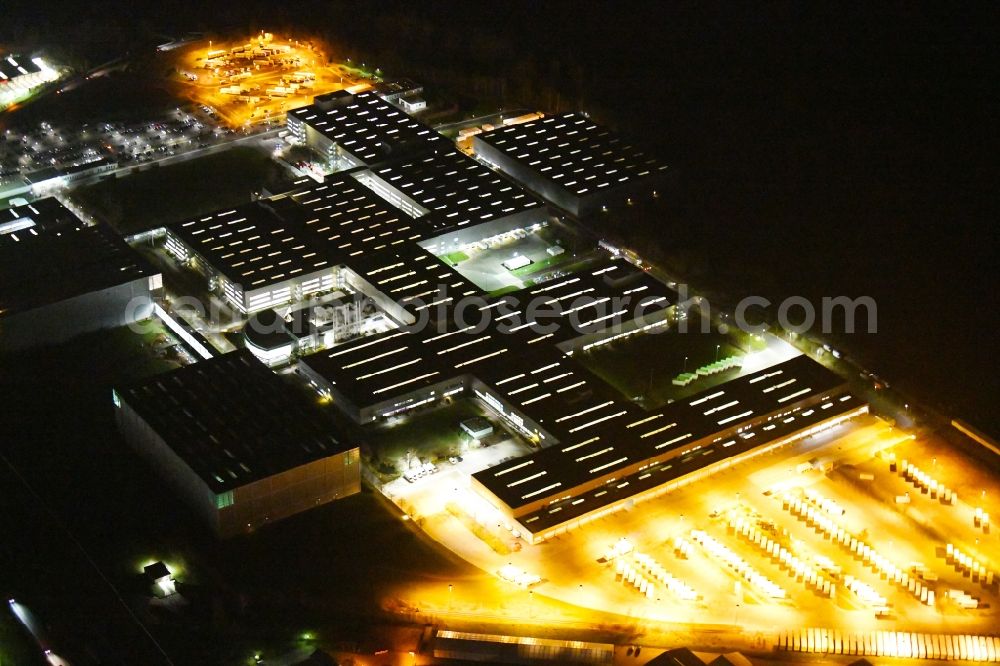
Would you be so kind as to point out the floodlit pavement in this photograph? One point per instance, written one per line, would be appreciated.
(907, 535)
(259, 103)
(450, 483)
(484, 267)
(776, 351)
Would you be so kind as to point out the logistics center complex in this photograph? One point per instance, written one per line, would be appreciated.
(367, 240)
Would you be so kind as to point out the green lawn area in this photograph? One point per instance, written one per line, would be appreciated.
(645, 364)
(455, 258)
(160, 195)
(431, 434)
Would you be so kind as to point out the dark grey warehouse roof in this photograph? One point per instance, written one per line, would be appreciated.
(573, 152)
(455, 188)
(368, 127)
(19, 222)
(62, 262)
(376, 368)
(597, 446)
(233, 421)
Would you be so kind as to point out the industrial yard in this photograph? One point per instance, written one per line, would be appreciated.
(256, 80)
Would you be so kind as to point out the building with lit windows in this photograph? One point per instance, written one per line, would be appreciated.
(290, 246)
(359, 129)
(236, 443)
(60, 278)
(19, 76)
(253, 256)
(320, 237)
(572, 162)
(471, 648)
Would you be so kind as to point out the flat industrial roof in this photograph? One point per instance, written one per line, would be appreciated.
(352, 219)
(494, 339)
(578, 504)
(233, 421)
(414, 278)
(587, 301)
(255, 244)
(592, 446)
(19, 222)
(574, 152)
(369, 128)
(455, 188)
(61, 263)
(297, 233)
(13, 66)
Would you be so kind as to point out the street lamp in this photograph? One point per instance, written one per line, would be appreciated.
(685, 364)
(717, 352)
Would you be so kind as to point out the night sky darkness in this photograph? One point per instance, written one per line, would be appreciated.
(816, 150)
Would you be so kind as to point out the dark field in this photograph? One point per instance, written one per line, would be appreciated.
(255, 593)
(165, 194)
(642, 367)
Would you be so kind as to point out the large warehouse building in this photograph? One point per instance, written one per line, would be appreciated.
(60, 278)
(572, 162)
(604, 462)
(474, 340)
(310, 241)
(350, 130)
(236, 443)
(468, 201)
(597, 452)
(289, 246)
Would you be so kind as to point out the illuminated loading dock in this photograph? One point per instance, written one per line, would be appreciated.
(571, 161)
(470, 647)
(603, 465)
(236, 443)
(60, 278)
